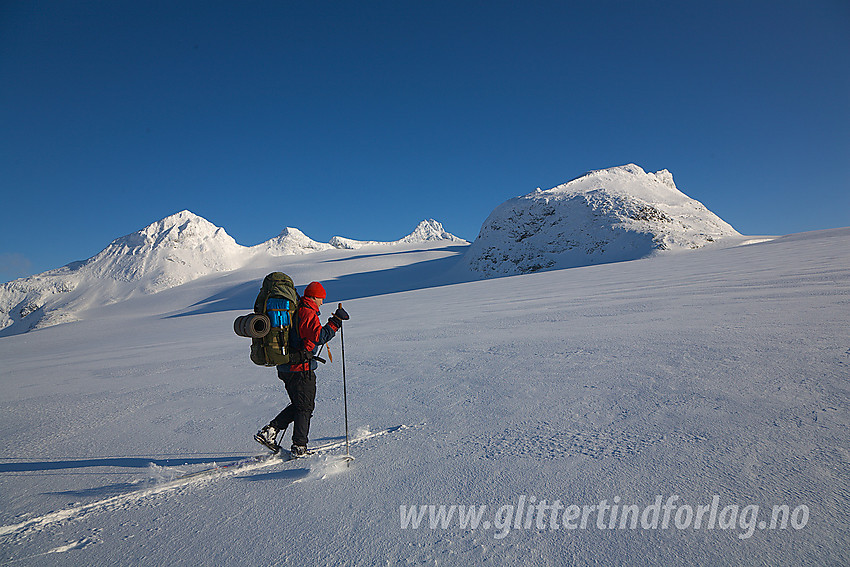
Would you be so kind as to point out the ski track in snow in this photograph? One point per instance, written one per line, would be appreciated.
(327, 466)
(70, 546)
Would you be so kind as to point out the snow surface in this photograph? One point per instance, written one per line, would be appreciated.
(165, 254)
(720, 372)
(610, 215)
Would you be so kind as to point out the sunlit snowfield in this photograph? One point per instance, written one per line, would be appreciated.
(717, 372)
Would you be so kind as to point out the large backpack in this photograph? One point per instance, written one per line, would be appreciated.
(278, 301)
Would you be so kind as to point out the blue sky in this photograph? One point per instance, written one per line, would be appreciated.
(362, 118)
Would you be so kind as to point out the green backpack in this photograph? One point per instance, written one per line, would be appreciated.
(278, 301)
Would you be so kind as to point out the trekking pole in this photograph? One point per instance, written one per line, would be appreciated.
(348, 457)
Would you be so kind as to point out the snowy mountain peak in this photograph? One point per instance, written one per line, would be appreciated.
(666, 178)
(426, 231)
(429, 230)
(627, 181)
(169, 252)
(180, 230)
(607, 215)
(291, 241)
(291, 232)
(176, 249)
(178, 219)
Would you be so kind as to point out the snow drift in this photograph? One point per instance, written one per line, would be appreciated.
(609, 215)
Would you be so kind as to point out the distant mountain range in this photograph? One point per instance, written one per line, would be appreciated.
(609, 215)
(293, 241)
(175, 250)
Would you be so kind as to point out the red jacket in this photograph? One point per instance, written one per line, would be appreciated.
(310, 328)
(312, 333)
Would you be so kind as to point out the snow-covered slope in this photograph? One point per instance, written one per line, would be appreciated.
(177, 249)
(716, 376)
(164, 254)
(610, 215)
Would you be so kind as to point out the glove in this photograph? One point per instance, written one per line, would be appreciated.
(338, 317)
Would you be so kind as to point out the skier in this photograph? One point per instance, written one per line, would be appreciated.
(300, 377)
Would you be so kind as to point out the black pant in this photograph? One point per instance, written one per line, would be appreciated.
(301, 388)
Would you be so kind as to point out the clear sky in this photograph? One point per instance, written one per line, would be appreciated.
(360, 118)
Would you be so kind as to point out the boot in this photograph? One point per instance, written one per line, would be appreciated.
(268, 436)
(298, 451)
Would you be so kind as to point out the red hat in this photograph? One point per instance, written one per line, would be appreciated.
(315, 289)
